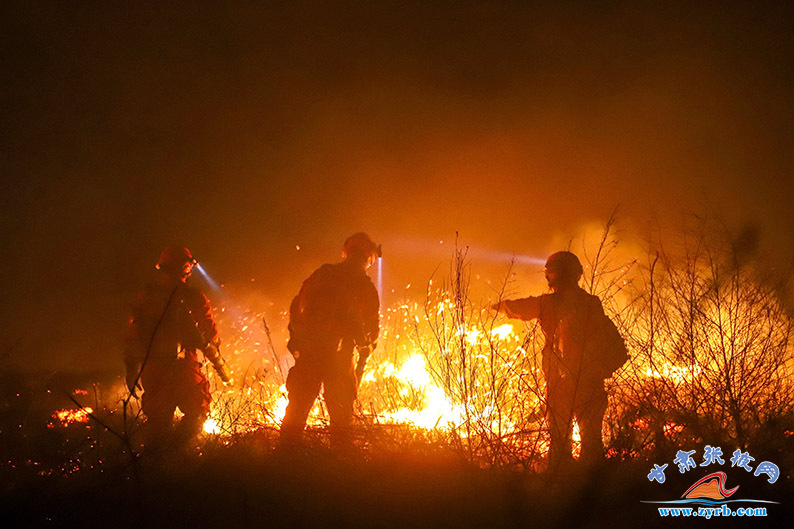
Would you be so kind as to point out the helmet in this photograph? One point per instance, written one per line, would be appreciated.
(360, 245)
(566, 265)
(176, 260)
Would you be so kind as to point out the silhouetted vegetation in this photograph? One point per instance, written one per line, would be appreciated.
(711, 363)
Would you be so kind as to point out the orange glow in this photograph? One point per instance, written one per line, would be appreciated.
(73, 416)
(577, 440)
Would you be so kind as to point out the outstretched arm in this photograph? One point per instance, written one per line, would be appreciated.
(522, 309)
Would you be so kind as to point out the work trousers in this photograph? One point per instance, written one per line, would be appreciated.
(333, 371)
(582, 398)
(168, 385)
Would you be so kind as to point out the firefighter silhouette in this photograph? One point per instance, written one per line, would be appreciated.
(582, 348)
(334, 315)
(170, 322)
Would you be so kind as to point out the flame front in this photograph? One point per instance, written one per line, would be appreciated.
(212, 427)
(399, 386)
(435, 410)
(464, 371)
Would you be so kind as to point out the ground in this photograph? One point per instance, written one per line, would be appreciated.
(82, 476)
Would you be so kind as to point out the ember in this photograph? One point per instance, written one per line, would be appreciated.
(450, 369)
(409, 382)
(72, 416)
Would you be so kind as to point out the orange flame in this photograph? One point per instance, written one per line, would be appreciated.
(72, 416)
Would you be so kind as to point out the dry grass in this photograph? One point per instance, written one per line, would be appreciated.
(711, 360)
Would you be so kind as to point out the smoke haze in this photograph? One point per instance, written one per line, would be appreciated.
(262, 136)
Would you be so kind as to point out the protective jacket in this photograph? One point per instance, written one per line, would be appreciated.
(170, 321)
(573, 324)
(337, 306)
(576, 361)
(335, 311)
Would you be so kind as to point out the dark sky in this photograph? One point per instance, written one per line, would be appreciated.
(242, 130)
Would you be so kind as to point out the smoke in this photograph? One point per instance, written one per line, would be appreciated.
(511, 125)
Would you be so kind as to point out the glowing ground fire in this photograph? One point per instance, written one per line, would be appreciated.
(446, 370)
(479, 376)
(400, 385)
(72, 416)
(451, 369)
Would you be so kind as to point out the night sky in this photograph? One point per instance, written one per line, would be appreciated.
(244, 130)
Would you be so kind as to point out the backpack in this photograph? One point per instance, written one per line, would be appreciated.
(326, 310)
(609, 347)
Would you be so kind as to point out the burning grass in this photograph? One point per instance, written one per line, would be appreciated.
(445, 368)
(710, 344)
(711, 361)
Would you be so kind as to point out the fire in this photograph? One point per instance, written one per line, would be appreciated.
(211, 427)
(576, 437)
(402, 384)
(73, 416)
(436, 410)
(449, 366)
(503, 331)
(454, 372)
(281, 403)
(414, 372)
(472, 335)
(671, 428)
(675, 373)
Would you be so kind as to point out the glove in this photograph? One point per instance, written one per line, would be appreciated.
(213, 354)
(363, 356)
(223, 371)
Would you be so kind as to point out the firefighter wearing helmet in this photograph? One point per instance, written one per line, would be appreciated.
(334, 325)
(170, 322)
(575, 357)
